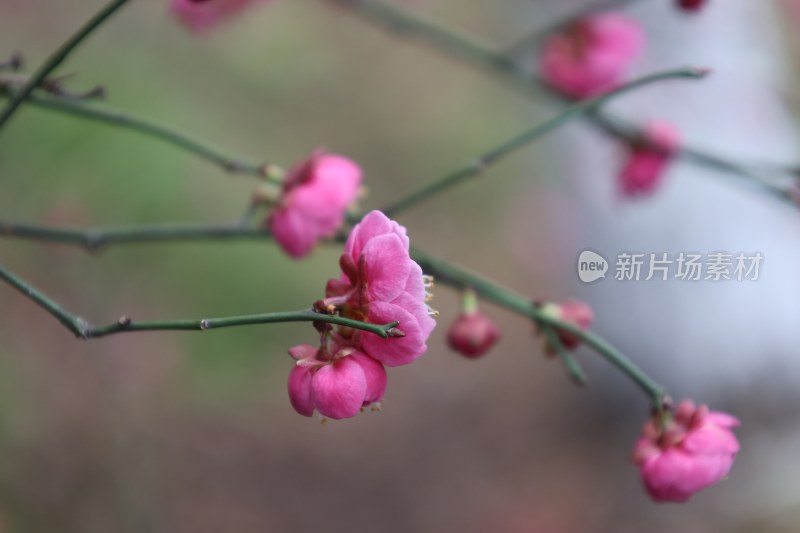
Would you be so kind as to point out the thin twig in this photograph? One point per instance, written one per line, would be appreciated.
(492, 156)
(57, 58)
(96, 239)
(101, 113)
(472, 51)
(84, 330)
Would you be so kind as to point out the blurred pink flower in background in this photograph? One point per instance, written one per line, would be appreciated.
(686, 453)
(691, 5)
(592, 56)
(472, 334)
(199, 15)
(313, 201)
(573, 311)
(646, 165)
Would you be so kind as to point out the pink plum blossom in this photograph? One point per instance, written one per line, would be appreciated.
(592, 56)
(691, 5)
(646, 164)
(337, 385)
(313, 201)
(200, 15)
(684, 453)
(472, 334)
(572, 311)
(382, 284)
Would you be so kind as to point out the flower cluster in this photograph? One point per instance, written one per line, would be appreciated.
(379, 284)
(684, 453)
(592, 56)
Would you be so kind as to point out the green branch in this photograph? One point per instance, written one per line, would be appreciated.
(468, 49)
(90, 111)
(515, 143)
(443, 272)
(84, 330)
(508, 299)
(57, 58)
(95, 239)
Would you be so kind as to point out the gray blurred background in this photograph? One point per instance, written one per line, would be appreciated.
(186, 432)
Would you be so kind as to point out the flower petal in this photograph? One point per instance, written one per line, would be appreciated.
(338, 389)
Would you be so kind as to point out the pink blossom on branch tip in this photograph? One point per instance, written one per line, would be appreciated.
(591, 56)
(685, 452)
(647, 162)
(313, 201)
(202, 15)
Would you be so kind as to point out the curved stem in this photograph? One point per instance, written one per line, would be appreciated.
(512, 301)
(515, 143)
(203, 149)
(57, 58)
(84, 330)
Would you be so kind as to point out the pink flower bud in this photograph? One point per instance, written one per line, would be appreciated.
(472, 334)
(684, 453)
(691, 5)
(313, 202)
(201, 15)
(646, 165)
(573, 311)
(592, 56)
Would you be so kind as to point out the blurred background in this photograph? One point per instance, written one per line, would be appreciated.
(187, 432)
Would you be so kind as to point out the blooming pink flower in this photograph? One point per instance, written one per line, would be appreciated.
(337, 385)
(573, 311)
(472, 334)
(382, 284)
(200, 15)
(646, 165)
(685, 453)
(313, 201)
(591, 56)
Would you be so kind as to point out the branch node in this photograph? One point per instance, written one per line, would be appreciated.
(395, 332)
(205, 324)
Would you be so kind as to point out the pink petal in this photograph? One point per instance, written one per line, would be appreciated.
(303, 351)
(338, 390)
(300, 390)
(375, 374)
(372, 225)
(387, 265)
(393, 351)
